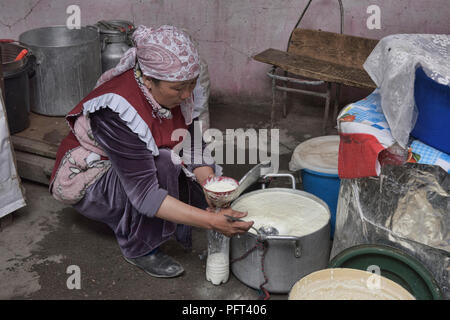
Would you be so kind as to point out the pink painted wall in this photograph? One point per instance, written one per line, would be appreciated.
(230, 32)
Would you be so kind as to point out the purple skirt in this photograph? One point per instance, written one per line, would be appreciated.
(137, 234)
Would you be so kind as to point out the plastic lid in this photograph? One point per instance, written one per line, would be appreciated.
(317, 154)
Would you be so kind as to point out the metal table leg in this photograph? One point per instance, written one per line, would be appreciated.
(274, 92)
(336, 101)
(327, 108)
(285, 96)
(285, 90)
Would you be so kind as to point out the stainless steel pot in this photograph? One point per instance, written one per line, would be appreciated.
(68, 66)
(287, 258)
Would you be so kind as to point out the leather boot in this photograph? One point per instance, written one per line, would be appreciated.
(158, 265)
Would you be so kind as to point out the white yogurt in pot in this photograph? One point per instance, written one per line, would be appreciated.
(291, 214)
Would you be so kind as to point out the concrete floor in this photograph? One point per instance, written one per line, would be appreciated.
(46, 237)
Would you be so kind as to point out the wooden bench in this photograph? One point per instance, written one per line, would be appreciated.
(35, 147)
(326, 57)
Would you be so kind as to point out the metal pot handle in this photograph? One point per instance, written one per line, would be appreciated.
(32, 66)
(93, 27)
(279, 237)
(280, 175)
(39, 57)
(104, 42)
(297, 247)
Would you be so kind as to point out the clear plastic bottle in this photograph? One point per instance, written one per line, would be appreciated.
(218, 262)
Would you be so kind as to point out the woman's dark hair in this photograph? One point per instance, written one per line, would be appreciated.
(155, 81)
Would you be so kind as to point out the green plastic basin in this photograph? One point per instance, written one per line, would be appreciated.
(394, 264)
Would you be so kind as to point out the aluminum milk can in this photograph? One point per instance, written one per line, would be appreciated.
(115, 41)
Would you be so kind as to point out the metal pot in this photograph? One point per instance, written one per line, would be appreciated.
(287, 258)
(68, 66)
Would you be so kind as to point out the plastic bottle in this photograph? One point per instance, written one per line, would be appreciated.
(218, 262)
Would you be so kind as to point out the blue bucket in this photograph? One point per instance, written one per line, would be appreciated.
(317, 161)
(324, 186)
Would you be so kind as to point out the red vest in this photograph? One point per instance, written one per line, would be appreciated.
(126, 86)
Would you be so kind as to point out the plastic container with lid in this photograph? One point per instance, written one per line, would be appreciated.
(316, 160)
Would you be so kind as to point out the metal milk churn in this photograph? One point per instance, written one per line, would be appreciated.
(115, 41)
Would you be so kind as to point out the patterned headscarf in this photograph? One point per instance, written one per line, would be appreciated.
(164, 53)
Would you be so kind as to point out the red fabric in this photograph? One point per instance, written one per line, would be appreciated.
(358, 154)
(125, 85)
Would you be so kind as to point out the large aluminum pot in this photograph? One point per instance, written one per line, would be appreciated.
(287, 258)
(68, 65)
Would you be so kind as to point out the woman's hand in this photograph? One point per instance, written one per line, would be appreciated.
(179, 212)
(229, 228)
(203, 173)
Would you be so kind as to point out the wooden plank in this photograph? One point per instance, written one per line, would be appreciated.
(341, 49)
(34, 146)
(316, 69)
(50, 130)
(33, 167)
(42, 137)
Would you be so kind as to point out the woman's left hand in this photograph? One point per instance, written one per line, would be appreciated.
(224, 225)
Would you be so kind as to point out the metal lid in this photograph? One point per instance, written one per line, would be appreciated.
(114, 27)
(129, 26)
(317, 154)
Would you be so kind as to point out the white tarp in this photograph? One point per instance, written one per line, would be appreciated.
(11, 196)
(392, 65)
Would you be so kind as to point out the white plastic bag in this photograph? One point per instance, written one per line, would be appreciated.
(392, 66)
(11, 196)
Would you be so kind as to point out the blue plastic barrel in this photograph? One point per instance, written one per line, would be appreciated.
(317, 161)
(433, 105)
